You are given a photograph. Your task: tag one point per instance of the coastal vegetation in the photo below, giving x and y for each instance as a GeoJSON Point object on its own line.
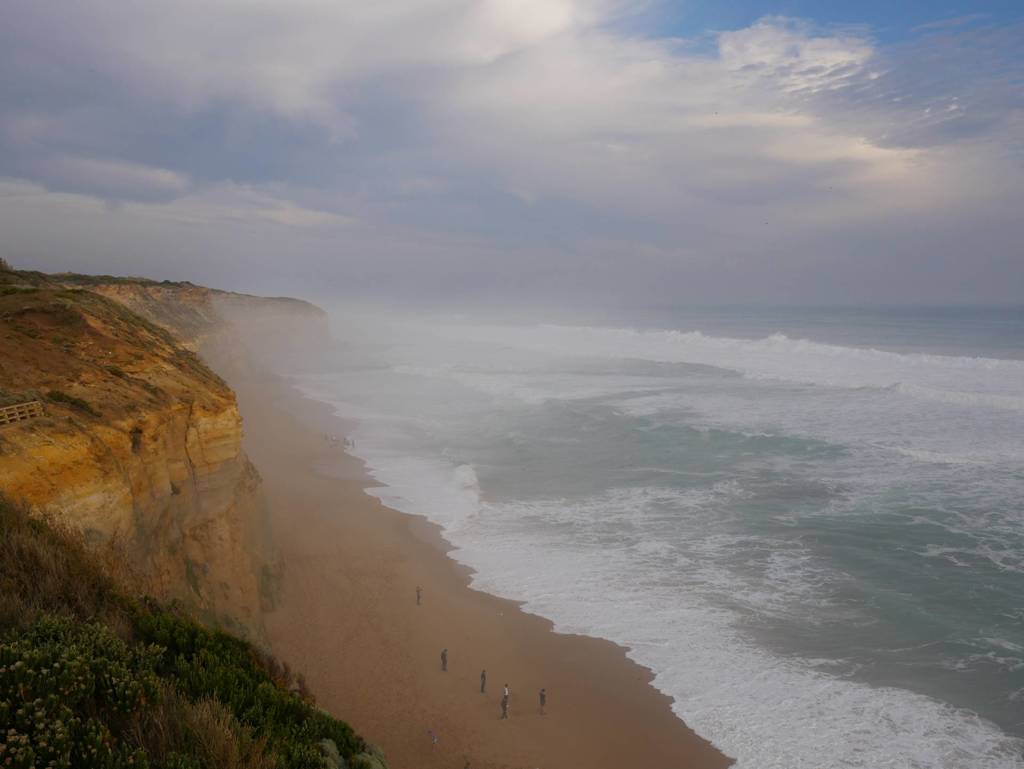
{"type": "Point", "coordinates": [87, 353]}
{"type": "Point", "coordinates": [91, 676]}
{"type": "Point", "coordinates": [37, 278]}
{"type": "Point", "coordinates": [57, 396]}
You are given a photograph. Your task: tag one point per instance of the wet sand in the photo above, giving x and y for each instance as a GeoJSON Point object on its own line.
{"type": "Point", "coordinates": [347, 619]}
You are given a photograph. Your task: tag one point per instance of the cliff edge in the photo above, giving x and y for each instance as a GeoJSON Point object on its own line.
{"type": "Point", "coordinates": [139, 440]}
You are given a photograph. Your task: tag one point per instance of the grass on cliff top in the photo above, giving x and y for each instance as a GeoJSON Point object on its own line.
{"type": "Point", "coordinates": [11, 278]}
{"type": "Point", "coordinates": [9, 275]}
{"type": "Point", "coordinates": [91, 340]}
{"type": "Point", "coordinates": [93, 678]}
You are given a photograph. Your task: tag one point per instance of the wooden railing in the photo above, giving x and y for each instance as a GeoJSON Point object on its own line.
{"type": "Point", "coordinates": [19, 412]}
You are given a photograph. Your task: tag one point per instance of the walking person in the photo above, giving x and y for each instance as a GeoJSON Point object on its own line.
{"type": "Point", "coordinates": [483, 681]}
{"type": "Point", "coordinates": [433, 738]}
{"type": "Point", "coordinates": [543, 700]}
{"type": "Point", "coordinates": [444, 660]}
{"type": "Point", "coordinates": [505, 696]}
{"type": "Point", "coordinates": [419, 595]}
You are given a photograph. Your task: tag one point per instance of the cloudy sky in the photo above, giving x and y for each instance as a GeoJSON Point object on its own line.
{"type": "Point", "coordinates": [536, 151]}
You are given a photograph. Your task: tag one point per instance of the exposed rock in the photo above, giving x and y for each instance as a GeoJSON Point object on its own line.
{"type": "Point", "coordinates": [141, 441]}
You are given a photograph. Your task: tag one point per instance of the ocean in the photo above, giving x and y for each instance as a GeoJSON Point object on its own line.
{"type": "Point", "coordinates": [809, 523]}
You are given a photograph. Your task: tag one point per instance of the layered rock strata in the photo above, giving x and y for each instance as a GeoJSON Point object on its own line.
{"type": "Point", "coordinates": [141, 441]}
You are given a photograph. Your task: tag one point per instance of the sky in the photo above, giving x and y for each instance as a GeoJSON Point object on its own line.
{"type": "Point", "coordinates": [524, 152]}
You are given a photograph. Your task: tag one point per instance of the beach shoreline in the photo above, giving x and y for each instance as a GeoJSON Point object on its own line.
{"type": "Point", "coordinates": [347, 619]}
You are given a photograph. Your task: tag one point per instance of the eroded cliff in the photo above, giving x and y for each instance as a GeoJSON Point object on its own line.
{"type": "Point", "coordinates": [141, 441]}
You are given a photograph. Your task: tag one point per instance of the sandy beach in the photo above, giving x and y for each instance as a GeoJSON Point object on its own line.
{"type": "Point", "coordinates": [348, 620]}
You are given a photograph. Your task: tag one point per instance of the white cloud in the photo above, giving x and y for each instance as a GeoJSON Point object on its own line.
{"type": "Point", "coordinates": [293, 58]}
{"type": "Point", "coordinates": [793, 56]}
{"type": "Point", "coordinates": [115, 178]}
{"type": "Point", "coordinates": [225, 204]}
{"type": "Point", "coordinates": [635, 126]}
{"type": "Point", "coordinates": [416, 117]}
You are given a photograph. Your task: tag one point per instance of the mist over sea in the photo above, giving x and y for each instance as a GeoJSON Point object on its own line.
{"type": "Point", "coordinates": [809, 523]}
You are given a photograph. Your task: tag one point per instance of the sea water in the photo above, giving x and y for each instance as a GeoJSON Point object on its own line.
{"type": "Point", "coordinates": [808, 523]}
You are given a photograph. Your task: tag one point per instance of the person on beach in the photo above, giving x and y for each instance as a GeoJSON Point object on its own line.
{"type": "Point", "coordinates": [483, 681]}
{"type": "Point", "coordinates": [543, 700]}
{"type": "Point", "coordinates": [504, 706]}
{"type": "Point", "coordinates": [444, 660]}
{"type": "Point", "coordinates": [433, 738]}
{"type": "Point", "coordinates": [419, 595]}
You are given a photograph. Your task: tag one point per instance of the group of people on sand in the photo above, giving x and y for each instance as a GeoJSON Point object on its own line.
{"type": "Point", "coordinates": [506, 694]}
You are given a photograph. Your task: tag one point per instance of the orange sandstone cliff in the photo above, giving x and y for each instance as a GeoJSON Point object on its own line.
{"type": "Point", "coordinates": [140, 440]}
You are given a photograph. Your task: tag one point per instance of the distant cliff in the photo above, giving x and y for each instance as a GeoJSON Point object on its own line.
{"type": "Point", "coordinates": [141, 440]}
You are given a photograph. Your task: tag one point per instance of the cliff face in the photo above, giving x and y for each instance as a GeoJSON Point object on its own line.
{"type": "Point", "coordinates": [141, 441]}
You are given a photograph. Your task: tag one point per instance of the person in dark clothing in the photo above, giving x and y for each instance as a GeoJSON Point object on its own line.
{"type": "Point", "coordinates": [483, 681]}
{"type": "Point", "coordinates": [504, 706]}
{"type": "Point", "coordinates": [419, 594]}
{"type": "Point", "coordinates": [444, 660]}
{"type": "Point", "coordinates": [543, 700]}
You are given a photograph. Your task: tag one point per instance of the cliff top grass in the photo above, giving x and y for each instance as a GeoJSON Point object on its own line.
{"type": "Point", "coordinates": [92, 677]}
{"type": "Point", "coordinates": [35, 278]}
{"type": "Point", "coordinates": [10, 277]}
{"type": "Point", "coordinates": [192, 313]}
{"type": "Point", "coordinates": [88, 355]}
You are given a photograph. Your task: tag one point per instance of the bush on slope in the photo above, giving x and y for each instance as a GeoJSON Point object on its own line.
{"type": "Point", "coordinates": [93, 679]}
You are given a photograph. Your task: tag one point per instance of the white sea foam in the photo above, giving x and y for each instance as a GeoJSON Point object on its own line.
{"type": "Point", "coordinates": [928, 408]}
{"type": "Point", "coordinates": [755, 706]}
{"type": "Point", "coordinates": [534, 387]}
{"type": "Point", "coordinates": [655, 569]}
{"type": "Point", "coordinates": [924, 430]}
{"type": "Point", "coordinates": [991, 382]}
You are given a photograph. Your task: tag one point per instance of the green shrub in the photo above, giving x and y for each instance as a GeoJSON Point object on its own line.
{"type": "Point", "coordinates": [206, 663]}
{"type": "Point", "coordinates": [69, 400]}
{"type": "Point", "coordinates": [93, 679]}
{"type": "Point", "coordinates": [66, 690]}
{"type": "Point", "coordinates": [45, 567]}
